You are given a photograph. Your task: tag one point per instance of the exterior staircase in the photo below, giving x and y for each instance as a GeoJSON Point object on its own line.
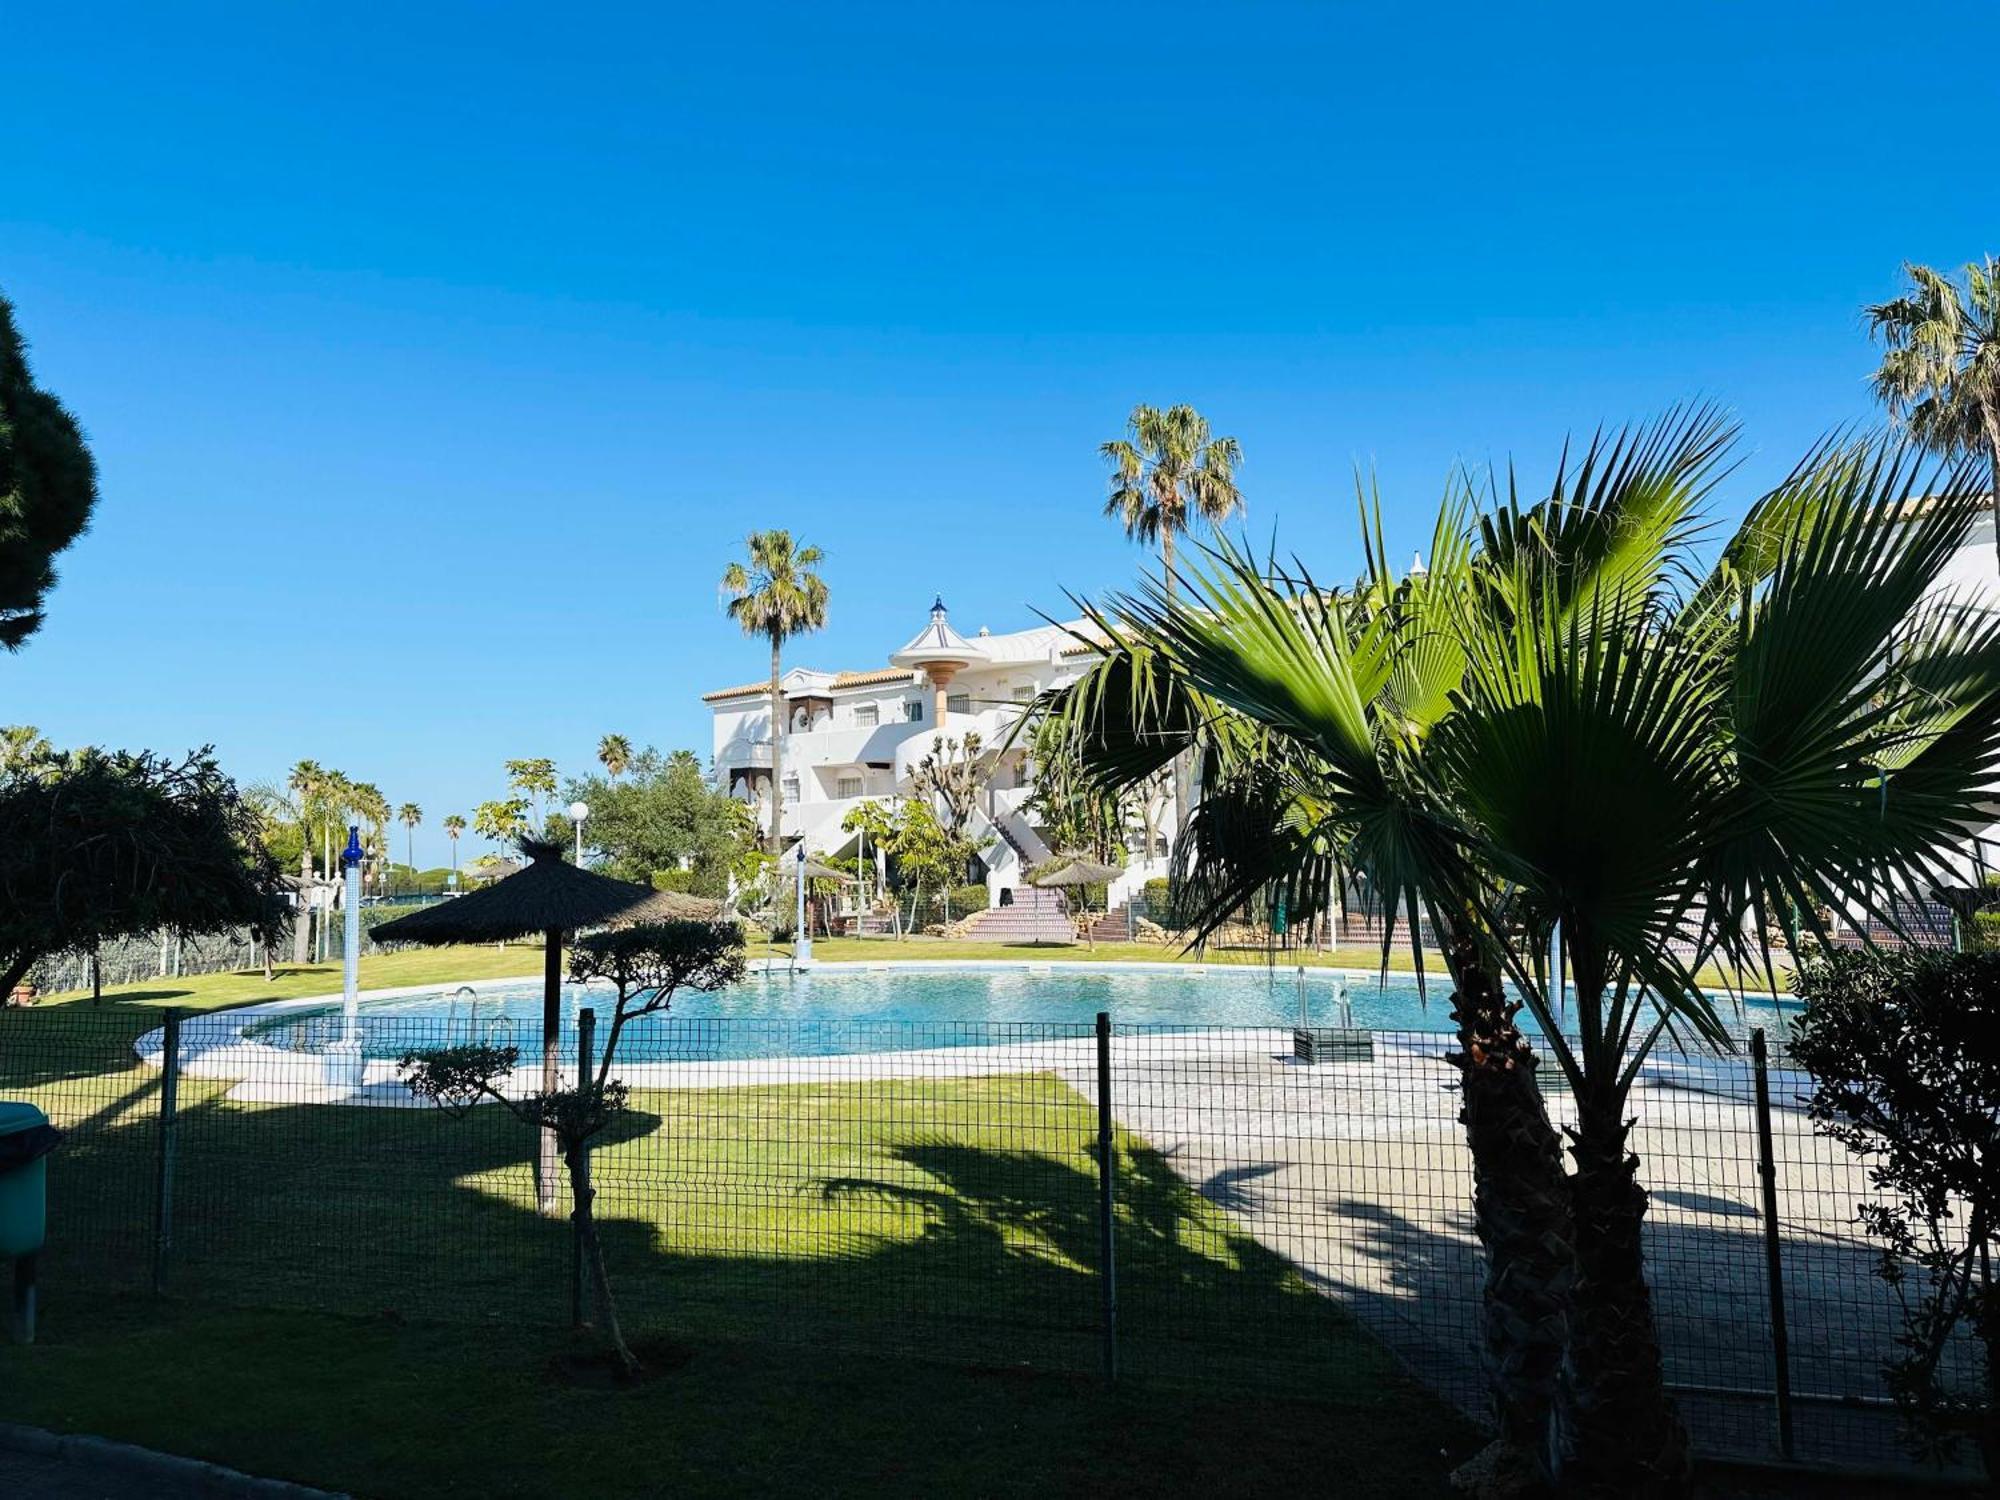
{"type": "Point", "coordinates": [1035, 916]}
{"type": "Point", "coordinates": [1118, 925]}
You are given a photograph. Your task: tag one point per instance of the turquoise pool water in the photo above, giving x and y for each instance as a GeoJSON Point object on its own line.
{"type": "Point", "coordinates": [834, 1011]}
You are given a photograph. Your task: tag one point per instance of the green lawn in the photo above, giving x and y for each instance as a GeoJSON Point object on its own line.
{"type": "Point", "coordinates": [394, 1409]}
{"type": "Point", "coordinates": [794, 1237]}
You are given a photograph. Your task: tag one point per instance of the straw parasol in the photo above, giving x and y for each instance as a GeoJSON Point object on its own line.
{"type": "Point", "coordinates": [551, 897]}
{"type": "Point", "coordinates": [1073, 870]}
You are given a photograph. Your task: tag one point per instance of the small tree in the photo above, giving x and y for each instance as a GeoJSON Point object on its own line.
{"type": "Point", "coordinates": [647, 965]}
{"type": "Point", "coordinates": [952, 775]}
{"type": "Point", "coordinates": [1904, 1050]}
{"type": "Point", "coordinates": [95, 846]}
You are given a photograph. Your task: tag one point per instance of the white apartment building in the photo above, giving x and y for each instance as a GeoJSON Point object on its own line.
{"type": "Point", "coordinates": [854, 736]}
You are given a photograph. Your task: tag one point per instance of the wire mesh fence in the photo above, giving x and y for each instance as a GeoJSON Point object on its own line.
{"type": "Point", "coordinates": [939, 1189]}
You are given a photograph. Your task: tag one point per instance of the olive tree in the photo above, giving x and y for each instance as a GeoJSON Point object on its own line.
{"type": "Point", "coordinates": [646, 965]}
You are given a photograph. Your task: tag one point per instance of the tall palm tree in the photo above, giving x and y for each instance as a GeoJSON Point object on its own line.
{"type": "Point", "coordinates": [776, 595]}
{"type": "Point", "coordinates": [454, 825]}
{"type": "Point", "coordinates": [1940, 370]}
{"type": "Point", "coordinates": [368, 804]}
{"type": "Point", "coordinates": [1623, 766]}
{"type": "Point", "coordinates": [308, 783]}
{"type": "Point", "coordinates": [614, 752]}
{"type": "Point", "coordinates": [1167, 476]}
{"type": "Point", "coordinates": [410, 815]}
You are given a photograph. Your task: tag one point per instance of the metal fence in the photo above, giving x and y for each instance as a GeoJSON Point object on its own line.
{"type": "Point", "coordinates": [941, 1189]}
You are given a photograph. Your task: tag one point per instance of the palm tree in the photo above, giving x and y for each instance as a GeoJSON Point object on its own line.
{"type": "Point", "coordinates": [1940, 370]}
{"type": "Point", "coordinates": [614, 751]}
{"type": "Point", "coordinates": [1588, 756]}
{"type": "Point", "coordinates": [308, 784]}
{"type": "Point", "coordinates": [454, 825]}
{"type": "Point", "coordinates": [777, 595]}
{"type": "Point", "coordinates": [410, 815]}
{"type": "Point", "coordinates": [1168, 475]}
{"type": "Point", "coordinates": [373, 808]}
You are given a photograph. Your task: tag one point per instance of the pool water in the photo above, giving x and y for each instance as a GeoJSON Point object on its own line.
{"type": "Point", "coordinates": [834, 1011]}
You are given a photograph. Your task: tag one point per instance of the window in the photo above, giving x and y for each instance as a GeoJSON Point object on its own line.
{"type": "Point", "coordinates": [791, 788]}
{"type": "Point", "coordinates": [867, 715]}
{"type": "Point", "coordinates": [847, 786]}
{"type": "Point", "coordinates": [913, 710]}
{"type": "Point", "coordinates": [959, 703]}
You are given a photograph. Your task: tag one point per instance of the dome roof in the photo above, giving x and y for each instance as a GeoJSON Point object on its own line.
{"type": "Point", "coordinates": [938, 644]}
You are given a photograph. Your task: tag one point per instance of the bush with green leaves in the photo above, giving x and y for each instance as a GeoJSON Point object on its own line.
{"type": "Point", "coordinates": [646, 965]}
{"type": "Point", "coordinates": [1904, 1049]}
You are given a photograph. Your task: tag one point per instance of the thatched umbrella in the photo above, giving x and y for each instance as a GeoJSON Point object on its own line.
{"type": "Point", "coordinates": [1073, 870]}
{"type": "Point", "coordinates": [552, 897]}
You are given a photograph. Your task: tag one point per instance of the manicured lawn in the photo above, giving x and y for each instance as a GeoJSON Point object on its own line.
{"type": "Point", "coordinates": [398, 1409]}
{"type": "Point", "coordinates": [841, 1259]}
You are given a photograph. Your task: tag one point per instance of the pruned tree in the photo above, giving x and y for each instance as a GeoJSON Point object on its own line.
{"type": "Point", "coordinates": [646, 965]}
{"type": "Point", "coordinates": [952, 774]}
{"type": "Point", "coordinates": [101, 846]}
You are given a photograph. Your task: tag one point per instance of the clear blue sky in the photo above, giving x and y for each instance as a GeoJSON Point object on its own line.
{"type": "Point", "coordinates": [438, 357]}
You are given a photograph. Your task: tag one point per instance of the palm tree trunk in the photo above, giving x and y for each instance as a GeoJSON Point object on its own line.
{"type": "Point", "coordinates": [1521, 1214]}
{"type": "Point", "coordinates": [777, 756]}
{"type": "Point", "coordinates": [1619, 1433]}
{"type": "Point", "coordinates": [1993, 473]}
{"type": "Point", "coordinates": [302, 917]}
{"type": "Point", "coordinates": [1180, 766]}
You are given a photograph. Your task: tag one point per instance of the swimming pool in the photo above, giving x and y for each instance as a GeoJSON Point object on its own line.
{"type": "Point", "coordinates": [839, 1009]}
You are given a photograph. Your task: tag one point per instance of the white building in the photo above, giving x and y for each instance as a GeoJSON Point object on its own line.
{"type": "Point", "coordinates": [850, 737]}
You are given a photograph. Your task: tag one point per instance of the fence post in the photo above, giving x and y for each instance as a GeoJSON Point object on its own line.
{"type": "Point", "coordinates": [586, 1046]}
{"type": "Point", "coordinates": [1774, 1266]}
{"type": "Point", "coordinates": [163, 1165]}
{"type": "Point", "coordinates": [1107, 1167]}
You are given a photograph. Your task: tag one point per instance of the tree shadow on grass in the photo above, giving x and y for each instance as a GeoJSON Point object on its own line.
{"type": "Point", "coordinates": [845, 1216]}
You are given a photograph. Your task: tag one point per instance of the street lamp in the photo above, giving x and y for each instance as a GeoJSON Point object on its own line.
{"type": "Point", "coordinates": [578, 811]}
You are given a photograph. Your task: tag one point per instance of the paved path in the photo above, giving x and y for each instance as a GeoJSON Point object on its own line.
{"type": "Point", "coordinates": [36, 1477]}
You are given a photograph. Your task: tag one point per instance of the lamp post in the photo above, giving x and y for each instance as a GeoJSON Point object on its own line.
{"type": "Point", "coordinates": [802, 943]}
{"type": "Point", "coordinates": [578, 811]}
{"type": "Point", "coordinates": [343, 1058]}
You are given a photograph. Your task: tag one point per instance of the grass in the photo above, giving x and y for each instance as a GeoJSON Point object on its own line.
{"type": "Point", "coordinates": [397, 1409]}
{"type": "Point", "coordinates": [863, 1273]}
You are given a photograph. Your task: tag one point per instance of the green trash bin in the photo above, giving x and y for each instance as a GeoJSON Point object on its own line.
{"type": "Point", "coordinates": [25, 1142]}
{"type": "Point", "coordinates": [26, 1139]}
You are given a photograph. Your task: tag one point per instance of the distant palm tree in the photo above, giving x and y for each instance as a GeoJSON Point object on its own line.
{"type": "Point", "coordinates": [308, 784]}
{"type": "Point", "coordinates": [410, 815]}
{"type": "Point", "coordinates": [776, 596]}
{"type": "Point", "coordinates": [454, 825]}
{"type": "Point", "coordinates": [373, 808]}
{"type": "Point", "coordinates": [1940, 372]}
{"type": "Point", "coordinates": [1166, 476]}
{"type": "Point", "coordinates": [1170, 474]}
{"type": "Point", "coordinates": [615, 751]}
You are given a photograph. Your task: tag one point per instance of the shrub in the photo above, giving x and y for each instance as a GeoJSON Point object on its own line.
{"type": "Point", "coordinates": [966, 899]}
{"type": "Point", "coordinates": [1904, 1050]}
{"type": "Point", "coordinates": [679, 881]}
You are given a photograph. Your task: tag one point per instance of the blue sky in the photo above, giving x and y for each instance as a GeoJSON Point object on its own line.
{"type": "Point", "coordinates": [437, 358]}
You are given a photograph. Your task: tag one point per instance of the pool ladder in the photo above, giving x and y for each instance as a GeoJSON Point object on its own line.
{"type": "Point", "coordinates": [498, 1030]}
